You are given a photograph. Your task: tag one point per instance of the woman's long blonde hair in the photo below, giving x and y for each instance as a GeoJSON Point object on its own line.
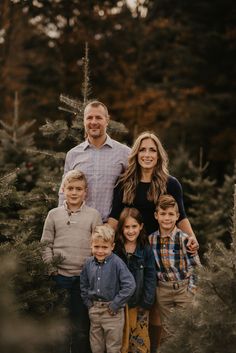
{"type": "Point", "coordinates": [131, 177]}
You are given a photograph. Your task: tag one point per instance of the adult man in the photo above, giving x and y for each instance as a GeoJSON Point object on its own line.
{"type": "Point", "coordinates": [99, 157]}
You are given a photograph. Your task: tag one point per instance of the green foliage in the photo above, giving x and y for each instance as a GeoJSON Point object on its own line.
{"type": "Point", "coordinates": [162, 65]}
{"type": "Point", "coordinates": [21, 333]}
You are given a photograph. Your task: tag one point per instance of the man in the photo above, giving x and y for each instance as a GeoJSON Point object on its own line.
{"type": "Point", "coordinates": [99, 157]}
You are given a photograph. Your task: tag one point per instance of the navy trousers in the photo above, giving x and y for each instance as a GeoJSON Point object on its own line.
{"type": "Point", "coordinates": [78, 339]}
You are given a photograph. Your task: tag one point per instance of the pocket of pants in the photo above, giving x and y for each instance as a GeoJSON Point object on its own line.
{"type": "Point", "coordinates": [91, 310]}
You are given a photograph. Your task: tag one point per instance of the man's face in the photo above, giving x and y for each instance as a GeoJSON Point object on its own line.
{"type": "Point", "coordinates": [95, 122]}
{"type": "Point", "coordinates": [101, 249]}
{"type": "Point", "coordinates": [75, 193]}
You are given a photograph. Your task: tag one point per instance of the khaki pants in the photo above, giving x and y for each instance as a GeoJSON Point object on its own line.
{"type": "Point", "coordinates": [106, 331]}
{"type": "Point", "coordinates": [171, 295]}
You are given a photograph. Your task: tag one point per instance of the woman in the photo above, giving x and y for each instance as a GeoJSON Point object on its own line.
{"type": "Point", "coordinates": [145, 179]}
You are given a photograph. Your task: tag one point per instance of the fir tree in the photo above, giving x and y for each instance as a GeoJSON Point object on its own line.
{"type": "Point", "coordinates": [203, 208]}
{"type": "Point", "coordinates": [15, 138]}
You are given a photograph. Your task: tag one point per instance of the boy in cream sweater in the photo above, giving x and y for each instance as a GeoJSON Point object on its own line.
{"type": "Point", "coordinates": [67, 232]}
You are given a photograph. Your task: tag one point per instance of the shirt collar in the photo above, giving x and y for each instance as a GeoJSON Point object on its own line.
{"type": "Point", "coordinates": [104, 261]}
{"type": "Point", "coordinates": [137, 252]}
{"type": "Point", "coordinates": [171, 235]}
{"type": "Point", "coordinates": [108, 142]}
{"type": "Point", "coordinates": [69, 211]}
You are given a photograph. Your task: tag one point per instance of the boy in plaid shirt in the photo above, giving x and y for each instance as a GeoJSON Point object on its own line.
{"type": "Point", "coordinates": [176, 281]}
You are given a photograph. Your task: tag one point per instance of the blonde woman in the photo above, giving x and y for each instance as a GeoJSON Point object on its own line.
{"type": "Point", "coordinates": [145, 179]}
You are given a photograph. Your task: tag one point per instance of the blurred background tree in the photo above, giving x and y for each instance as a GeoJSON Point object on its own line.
{"type": "Point", "coordinates": [167, 65]}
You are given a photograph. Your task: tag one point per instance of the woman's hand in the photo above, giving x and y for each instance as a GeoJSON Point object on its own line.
{"type": "Point", "coordinates": [192, 245]}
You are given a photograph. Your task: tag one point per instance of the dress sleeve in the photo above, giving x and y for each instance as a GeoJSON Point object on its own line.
{"type": "Point", "coordinates": [117, 204]}
{"type": "Point", "coordinates": [174, 188]}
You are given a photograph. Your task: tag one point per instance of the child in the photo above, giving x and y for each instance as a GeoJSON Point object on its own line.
{"type": "Point", "coordinates": [133, 248]}
{"type": "Point", "coordinates": [106, 285]}
{"type": "Point", "coordinates": [176, 280]}
{"type": "Point", "coordinates": [67, 232]}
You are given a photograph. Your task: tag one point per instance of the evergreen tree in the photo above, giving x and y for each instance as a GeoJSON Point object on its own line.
{"type": "Point", "coordinates": [204, 207]}
{"type": "Point", "coordinates": [15, 138]}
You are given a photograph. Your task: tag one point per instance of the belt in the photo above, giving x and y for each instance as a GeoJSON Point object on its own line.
{"type": "Point", "coordinates": [174, 284]}
{"type": "Point", "coordinates": [100, 304]}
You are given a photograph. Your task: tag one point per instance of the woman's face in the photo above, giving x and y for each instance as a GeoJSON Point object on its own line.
{"type": "Point", "coordinates": [147, 155]}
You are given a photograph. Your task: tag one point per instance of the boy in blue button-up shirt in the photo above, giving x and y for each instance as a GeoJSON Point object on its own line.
{"type": "Point", "coordinates": [106, 286]}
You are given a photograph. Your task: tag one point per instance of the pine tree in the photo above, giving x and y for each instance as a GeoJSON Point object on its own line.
{"type": "Point", "coordinates": [15, 138]}
{"type": "Point", "coordinates": [210, 325]}
{"type": "Point", "coordinates": [204, 209]}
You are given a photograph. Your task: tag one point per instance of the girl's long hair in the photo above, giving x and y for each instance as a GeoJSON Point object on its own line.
{"type": "Point", "coordinates": [131, 177]}
{"type": "Point", "coordinates": [134, 213]}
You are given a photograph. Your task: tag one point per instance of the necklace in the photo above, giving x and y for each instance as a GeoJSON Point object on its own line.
{"type": "Point", "coordinates": [130, 248]}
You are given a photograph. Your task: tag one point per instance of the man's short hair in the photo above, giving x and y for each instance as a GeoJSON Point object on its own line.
{"type": "Point", "coordinates": [166, 201]}
{"type": "Point", "coordinates": [96, 104]}
{"type": "Point", "coordinates": [74, 175]}
{"type": "Point", "coordinates": [104, 232]}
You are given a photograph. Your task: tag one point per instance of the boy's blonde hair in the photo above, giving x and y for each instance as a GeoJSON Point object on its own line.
{"type": "Point", "coordinates": [166, 201]}
{"type": "Point", "coordinates": [104, 232]}
{"type": "Point", "coordinates": [73, 175]}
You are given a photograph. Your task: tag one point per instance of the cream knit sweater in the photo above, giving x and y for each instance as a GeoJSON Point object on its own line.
{"type": "Point", "coordinates": [68, 234]}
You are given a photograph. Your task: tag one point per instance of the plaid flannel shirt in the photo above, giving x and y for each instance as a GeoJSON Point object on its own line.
{"type": "Point", "coordinates": [173, 262]}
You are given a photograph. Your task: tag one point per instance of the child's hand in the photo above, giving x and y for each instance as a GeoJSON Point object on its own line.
{"type": "Point", "coordinates": [54, 273]}
{"type": "Point", "coordinates": [111, 312]}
